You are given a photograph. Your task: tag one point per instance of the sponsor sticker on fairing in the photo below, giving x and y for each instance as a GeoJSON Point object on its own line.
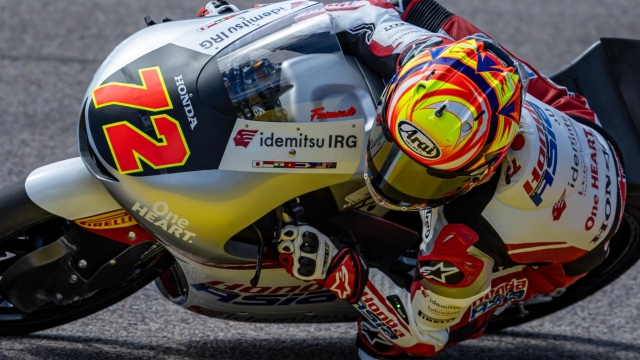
{"type": "Point", "coordinates": [212, 35]}
{"type": "Point", "coordinates": [247, 295]}
{"type": "Point", "coordinates": [111, 220]}
{"type": "Point", "coordinates": [322, 114]}
{"type": "Point", "coordinates": [159, 215]}
{"type": "Point", "coordinates": [258, 146]}
{"type": "Point", "coordinates": [221, 19]}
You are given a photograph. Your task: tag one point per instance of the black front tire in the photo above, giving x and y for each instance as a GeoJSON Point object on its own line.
{"type": "Point", "coordinates": [26, 226]}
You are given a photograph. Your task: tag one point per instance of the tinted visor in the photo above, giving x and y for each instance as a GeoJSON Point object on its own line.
{"type": "Point", "coordinates": [402, 183]}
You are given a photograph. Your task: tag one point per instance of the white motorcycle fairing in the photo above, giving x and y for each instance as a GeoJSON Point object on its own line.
{"type": "Point", "coordinates": [67, 189]}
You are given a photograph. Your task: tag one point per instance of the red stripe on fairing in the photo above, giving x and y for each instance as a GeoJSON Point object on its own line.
{"type": "Point", "coordinates": [343, 8]}
{"type": "Point", "coordinates": [531, 245]}
{"type": "Point", "coordinates": [383, 301]}
{"type": "Point", "coordinates": [558, 255]}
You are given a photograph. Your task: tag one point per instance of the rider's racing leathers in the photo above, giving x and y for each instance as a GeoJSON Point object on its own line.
{"type": "Point", "coordinates": [544, 219]}
{"type": "Point", "coordinates": [537, 226]}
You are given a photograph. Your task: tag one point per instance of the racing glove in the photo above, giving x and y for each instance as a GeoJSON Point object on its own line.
{"type": "Point", "coordinates": [305, 252]}
{"type": "Point", "coordinates": [218, 7]}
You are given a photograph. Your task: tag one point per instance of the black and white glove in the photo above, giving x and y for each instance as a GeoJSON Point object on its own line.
{"type": "Point", "coordinates": [305, 252]}
{"type": "Point", "coordinates": [218, 7]}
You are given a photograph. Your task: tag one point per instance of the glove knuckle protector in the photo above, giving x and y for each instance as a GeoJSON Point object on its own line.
{"type": "Point", "coordinates": [310, 250]}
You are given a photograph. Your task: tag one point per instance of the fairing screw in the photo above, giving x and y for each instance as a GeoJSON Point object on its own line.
{"type": "Point", "coordinates": [82, 264]}
{"type": "Point", "coordinates": [292, 152]}
{"type": "Point", "coordinates": [131, 235]}
{"type": "Point", "coordinates": [73, 279]}
{"type": "Point", "coordinates": [298, 129]}
{"type": "Point", "coordinates": [353, 126]}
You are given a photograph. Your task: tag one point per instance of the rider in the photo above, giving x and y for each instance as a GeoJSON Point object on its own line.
{"type": "Point", "coordinates": [464, 128]}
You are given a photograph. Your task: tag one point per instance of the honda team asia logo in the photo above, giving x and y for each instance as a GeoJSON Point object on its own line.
{"type": "Point", "coordinates": [417, 141]}
{"type": "Point", "coordinates": [544, 173]}
{"type": "Point", "coordinates": [243, 137]}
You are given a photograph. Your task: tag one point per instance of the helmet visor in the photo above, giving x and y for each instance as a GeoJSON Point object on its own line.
{"type": "Point", "coordinates": [399, 182]}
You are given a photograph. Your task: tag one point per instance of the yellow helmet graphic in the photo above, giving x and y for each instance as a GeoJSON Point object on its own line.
{"type": "Point", "coordinates": [447, 120]}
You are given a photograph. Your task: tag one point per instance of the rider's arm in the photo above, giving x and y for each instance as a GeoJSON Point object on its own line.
{"type": "Point", "coordinates": [429, 15]}
{"type": "Point", "coordinates": [374, 32]}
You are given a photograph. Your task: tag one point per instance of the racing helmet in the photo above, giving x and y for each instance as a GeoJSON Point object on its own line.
{"type": "Point", "coordinates": [445, 123]}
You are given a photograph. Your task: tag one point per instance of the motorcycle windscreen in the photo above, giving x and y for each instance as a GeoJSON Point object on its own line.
{"type": "Point", "coordinates": [257, 69]}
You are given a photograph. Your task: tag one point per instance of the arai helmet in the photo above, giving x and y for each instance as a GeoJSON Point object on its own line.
{"type": "Point", "coordinates": [446, 122]}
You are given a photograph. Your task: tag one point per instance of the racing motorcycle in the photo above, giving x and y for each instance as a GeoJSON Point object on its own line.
{"type": "Point", "coordinates": [200, 138]}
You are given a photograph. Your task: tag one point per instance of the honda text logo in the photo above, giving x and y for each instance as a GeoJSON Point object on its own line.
{"type": "Point", "coordinates": [243, 137]}
{"type": "Point", "coordinates": [419, 142]}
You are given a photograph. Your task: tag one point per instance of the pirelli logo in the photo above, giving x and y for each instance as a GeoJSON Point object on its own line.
{"type": "Point", "coordinates": [110, 220]}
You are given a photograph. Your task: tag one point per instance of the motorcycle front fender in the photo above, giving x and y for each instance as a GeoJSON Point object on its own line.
{"type": "Point", "coordinates": [67, 189]}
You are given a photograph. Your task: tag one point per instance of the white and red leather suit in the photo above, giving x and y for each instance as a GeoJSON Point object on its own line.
{"type": "Point", "coordinates": [538, 226]}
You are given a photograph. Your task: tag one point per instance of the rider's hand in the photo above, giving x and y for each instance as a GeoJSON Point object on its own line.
{"type": "Point", "coordinates": [305, 252]}
{"type": "Point", "coordinates": [218, 7]}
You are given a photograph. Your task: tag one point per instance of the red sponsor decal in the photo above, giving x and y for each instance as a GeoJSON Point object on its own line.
{"type": "Point", "coordinates": [591, 141]}
{"type": "Point", "coordinates": [559, 207]}
{"type": "Point", "coordinates": [320, 114]}
{"type": "Point", "coordinates": [243, 137]}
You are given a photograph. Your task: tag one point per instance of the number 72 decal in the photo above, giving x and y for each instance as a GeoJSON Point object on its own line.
{"type": "Point", "coordinates": [130, 145]}
{"type": "Point", "coordinates": [127, 143]}
{"type": "Point", "coordinates": [152, 95]}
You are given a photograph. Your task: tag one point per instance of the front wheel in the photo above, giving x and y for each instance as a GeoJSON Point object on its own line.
{"type": "Point", "coordinates": [27, 228]}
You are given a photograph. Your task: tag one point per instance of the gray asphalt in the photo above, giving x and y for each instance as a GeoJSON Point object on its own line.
{"type": "Point", "coordinates": [48, 54]}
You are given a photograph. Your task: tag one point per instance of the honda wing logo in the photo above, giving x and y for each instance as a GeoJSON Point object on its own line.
{"type": "Point", "coordinates": [559, 207]}
{"type": "Point", "coordinates": [417, 141]}
{"type": "Point", "coordinates": [243, 137]}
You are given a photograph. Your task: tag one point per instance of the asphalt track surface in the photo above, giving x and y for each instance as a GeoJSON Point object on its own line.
{"type": "Point", "coordinates": [48, 54]}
